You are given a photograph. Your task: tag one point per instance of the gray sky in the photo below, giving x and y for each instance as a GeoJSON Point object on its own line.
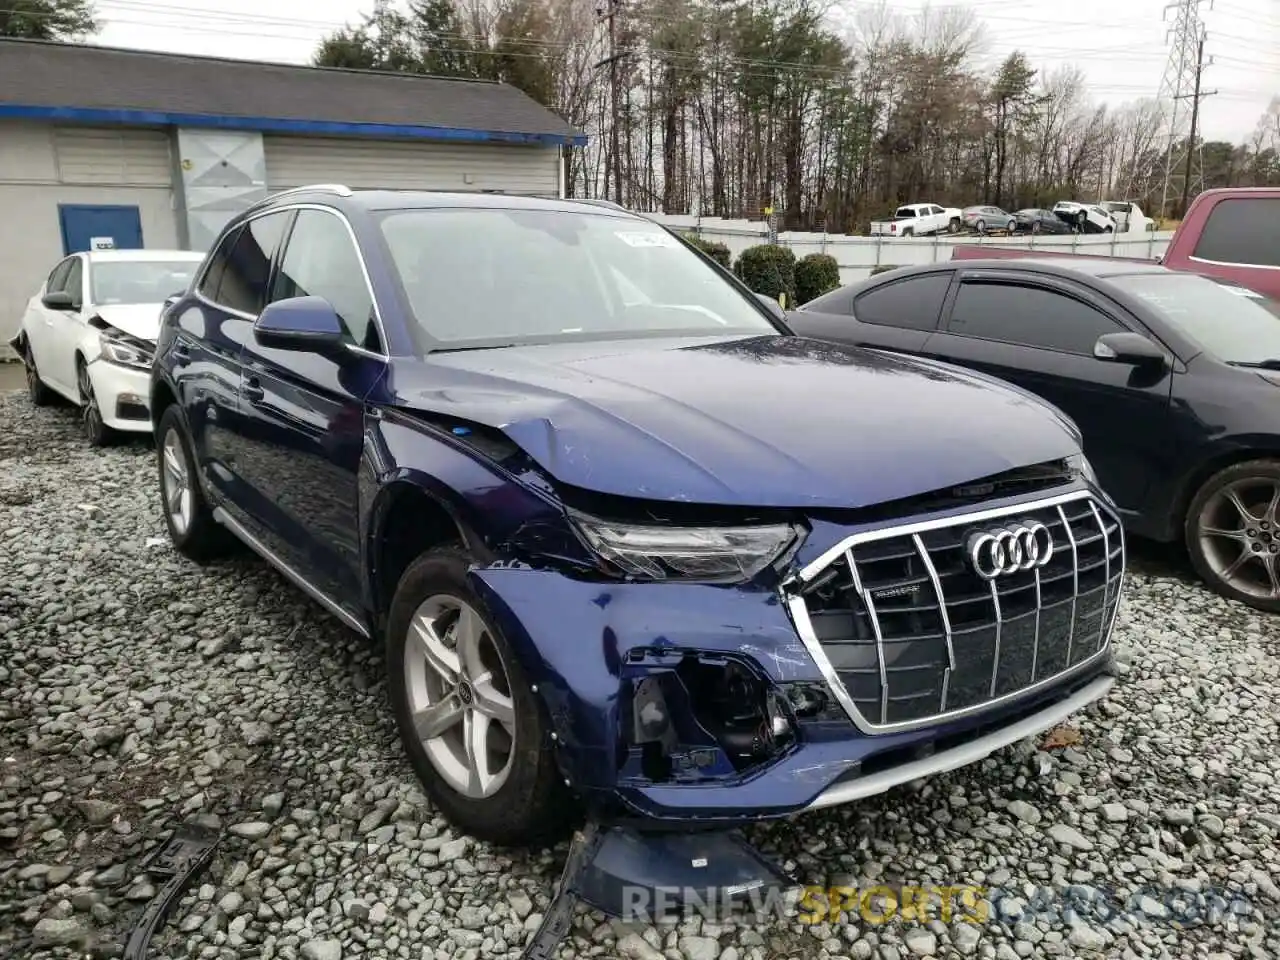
{"type": "Point", "coordinates": [1120, 44]}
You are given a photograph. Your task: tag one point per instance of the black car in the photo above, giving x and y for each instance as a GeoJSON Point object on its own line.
{"type": "Point", "coordinates": [1173, 379]}
{"type": "Point", "coordinates": [1035, 220]}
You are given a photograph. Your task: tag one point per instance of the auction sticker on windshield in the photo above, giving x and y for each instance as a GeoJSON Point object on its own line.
{"type": "Point", "coordinates": [647, 238]}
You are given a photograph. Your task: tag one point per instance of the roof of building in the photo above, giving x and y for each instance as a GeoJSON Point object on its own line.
{"type": "Point", "coordinates": [94, 84]}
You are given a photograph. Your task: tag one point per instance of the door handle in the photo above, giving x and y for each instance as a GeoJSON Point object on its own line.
{"type": "Point", "coordinates": [253, 390]}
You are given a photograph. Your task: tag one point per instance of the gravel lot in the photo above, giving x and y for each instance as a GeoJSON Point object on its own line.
{"type": "Point", "coordinates": [137, 691]}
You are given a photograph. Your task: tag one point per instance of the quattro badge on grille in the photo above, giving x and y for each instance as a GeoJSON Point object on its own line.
{"type": "Point", "coordinates": [1013, 549]}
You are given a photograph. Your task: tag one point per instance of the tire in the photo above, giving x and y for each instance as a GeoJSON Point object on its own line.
{"type": "Point", "coordinates": [1012, 226]}
{"type": "Point", "coordinates": [1082, 220]}
{"type": "Point", "coordinates": [1108, 230]}
{"type": "Point", "coordinates": [908, 232]}
{"type": "Point", "coordinates": [39, 394]}
{"type": "Point", "coordinates": [1035, 226]}
{"type": "Point", "coordinates": [196, 534]}
{"type": "Point", "coordinates": [95, 431]}
{"type": "Point", "coordinates": [981, 226]}
{"type": "Point", "coordinates": [954, 225]}
{"type": "Point", "coordinates": [531, 805]}
{"type": "Point", "coordinates": [1256, 485]}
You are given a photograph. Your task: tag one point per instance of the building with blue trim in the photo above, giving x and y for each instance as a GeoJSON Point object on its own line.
{"type": "Point", "coordinates": [136, 148]}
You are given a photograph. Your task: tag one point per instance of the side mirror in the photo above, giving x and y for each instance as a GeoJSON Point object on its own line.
{"type": "Point", "coordinates": [774, 307]}
{"type": "Point", "coordinates": [58, 300]}
{"type": "Point", "coordinates": [1128, 347]}
{"type": "Point", "coordinates": [306, 324]}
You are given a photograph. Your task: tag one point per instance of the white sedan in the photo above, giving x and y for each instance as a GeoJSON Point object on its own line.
{"type": "Point", "coordinates": [89, 333]}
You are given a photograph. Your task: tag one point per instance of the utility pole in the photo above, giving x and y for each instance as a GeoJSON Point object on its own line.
{"type": "Point", "coordinates": [1192, 149]}
{"type": "Point", "coordinates": [1185, 37]}
{"type": "Point", "coordinates": [610, 14]}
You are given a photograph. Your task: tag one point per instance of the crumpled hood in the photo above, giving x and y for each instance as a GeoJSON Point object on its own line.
{"type": "Point", "coordinates": [140, 320]}
{"type": "Point", "coordinates": [767, 421]}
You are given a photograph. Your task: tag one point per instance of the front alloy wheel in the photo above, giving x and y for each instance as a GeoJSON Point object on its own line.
{"type": "Point", "coordinates": [475, 731]}
{"type": "Point", "coordinates": [460, 697]}
{"type": "Point", "coordinates": [1233, 533]}
{"type": "Point", "coordinates": [96, 432]}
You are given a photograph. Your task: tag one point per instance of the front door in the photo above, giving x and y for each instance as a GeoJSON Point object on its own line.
{"type": "Point", "coordinates": [1040, 336]}
{"type": "Point", "coordinates": [303, 435]}
{"type": "Point", "coordinates": [99, 227]}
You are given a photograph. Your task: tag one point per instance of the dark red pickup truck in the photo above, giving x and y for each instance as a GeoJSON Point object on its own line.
{"type": "Point", "coordinates": [1230, 232]}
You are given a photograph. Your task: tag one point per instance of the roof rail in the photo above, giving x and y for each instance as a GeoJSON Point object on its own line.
{"type": "Point", "coordinates": [334, 188]}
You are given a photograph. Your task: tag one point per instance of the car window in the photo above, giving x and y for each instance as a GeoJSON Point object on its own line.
{"type": "Point", "coordinates": [139, 281]}
{"type": "Point", "coordinates": [838, 302]}
{"type": "Point", "coordinates": [247, 269]}
{"type": "Point", "coordinates": [912, 304]}
{"type": "Point", "coordinates": [212, 276]}
{"type": "Point", "coordinates": [1230, 321]}
{"type": "Point", "coordinates": [58, 276]}
{"type": "Point", "coordinates": [503, 276]}
{"type": "Point", "coordinates": [74, 282]}
{"type": "Point", "coordinates": [1030, 316]}
{"type": "Point", "coordinates": [1242, 231]}
{"type": "Point", "coordinates": [321, 260]}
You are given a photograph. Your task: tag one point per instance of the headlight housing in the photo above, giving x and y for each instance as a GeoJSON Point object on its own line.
{"type": "Point", "coordinates": [707, 554]}
{"type": "Point", "coordinates": [1080, 466]}
{"type": "Point", "coordinates": [119, 348]}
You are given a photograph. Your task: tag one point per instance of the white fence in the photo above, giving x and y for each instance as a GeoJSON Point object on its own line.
{"type": "Point", "coordinates": [858, 256]}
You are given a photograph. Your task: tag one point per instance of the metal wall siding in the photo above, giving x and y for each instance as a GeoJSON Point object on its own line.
{"type": "Point", "coordinates": [121, 157]}
{"type": "Point", "coordinates": [383, 164]}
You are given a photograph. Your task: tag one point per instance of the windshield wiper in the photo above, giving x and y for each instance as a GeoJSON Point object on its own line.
{"type": "Point", "coordinates": [1269, 364]}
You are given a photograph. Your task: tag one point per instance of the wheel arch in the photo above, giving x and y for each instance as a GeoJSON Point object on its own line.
{"type": "Point", "coordinates": [406, 519]}
{"type": "Point", "coordinates": [1242, 451]}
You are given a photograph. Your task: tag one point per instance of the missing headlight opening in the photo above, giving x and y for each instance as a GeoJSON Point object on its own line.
{"type": "Point", "coordinates": [705, 717]}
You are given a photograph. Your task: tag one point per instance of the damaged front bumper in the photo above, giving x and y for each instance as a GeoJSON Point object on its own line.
{"type": "Point", "coordinates": [710, 704]}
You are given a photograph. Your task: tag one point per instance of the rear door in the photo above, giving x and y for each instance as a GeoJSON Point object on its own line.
{"type": "Point", "coordinates": [1038, 333]}
{"type": "Point", "coordinates": [1240, 240]}
{"type": "Point", "coordinates": [206, 351]}
{"type": "Point", "coordinates": [301, 448]}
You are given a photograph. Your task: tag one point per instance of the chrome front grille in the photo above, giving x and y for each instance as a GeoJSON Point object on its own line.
{"type": "Point", "coordinates": [908, 633]}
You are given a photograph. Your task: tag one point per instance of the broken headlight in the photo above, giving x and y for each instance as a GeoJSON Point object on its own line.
{"type": "Point", "coordinates": [725, 554]}
{"type": "Point", "coordinates": [122, 349]}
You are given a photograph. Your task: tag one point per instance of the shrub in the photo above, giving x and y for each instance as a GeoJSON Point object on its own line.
{"type": "Point", "coordinates": [816, 274]}
{"type": "Point", "coordinates": [770, 270]}
{"type": "Point", "coordinates": [716, 251]}
{"type": "Point", "coordinates": [884, 268]}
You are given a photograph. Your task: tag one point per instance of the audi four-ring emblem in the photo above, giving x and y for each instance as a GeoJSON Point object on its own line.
{"type": "Point", "coordinates": [1013, 549]}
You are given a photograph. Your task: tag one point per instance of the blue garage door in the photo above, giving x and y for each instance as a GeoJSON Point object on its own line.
{"type": "Point", "coordinates": [95, 226]}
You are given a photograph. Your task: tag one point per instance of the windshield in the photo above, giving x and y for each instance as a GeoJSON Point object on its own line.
{"type": "Point", "coordinates": [1231, 322]}
{"type": "Point", "coordinates": [489, 277]}
{"type": "Point", "coordinates": [139, 281]}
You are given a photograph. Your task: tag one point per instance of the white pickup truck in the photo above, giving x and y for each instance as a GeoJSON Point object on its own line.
{"type": "Point", "coordinates": [918, 220]}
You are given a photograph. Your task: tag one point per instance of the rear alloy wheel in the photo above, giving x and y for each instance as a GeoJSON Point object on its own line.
{"type": "Point", "coordinates": [1035, 226]}
{"type": "Point", "coordinates": [37, 392]}
{"type": "Point", "coordinates": [469, 720]}
{"type": "Point", "coordinates": [192, 528]}
{"type": "Point", "coordinates": [954, 225]}
{"type": "Point", "coordinates": [96, 432]}
{"type": "Point", "coordinates": [1233, 533]}
{"type": "Point", "coordinates": [981, 226]}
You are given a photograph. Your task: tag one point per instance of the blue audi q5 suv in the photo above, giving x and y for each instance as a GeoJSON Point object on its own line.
{"type": "Point", "coordinates": [631, 546]}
